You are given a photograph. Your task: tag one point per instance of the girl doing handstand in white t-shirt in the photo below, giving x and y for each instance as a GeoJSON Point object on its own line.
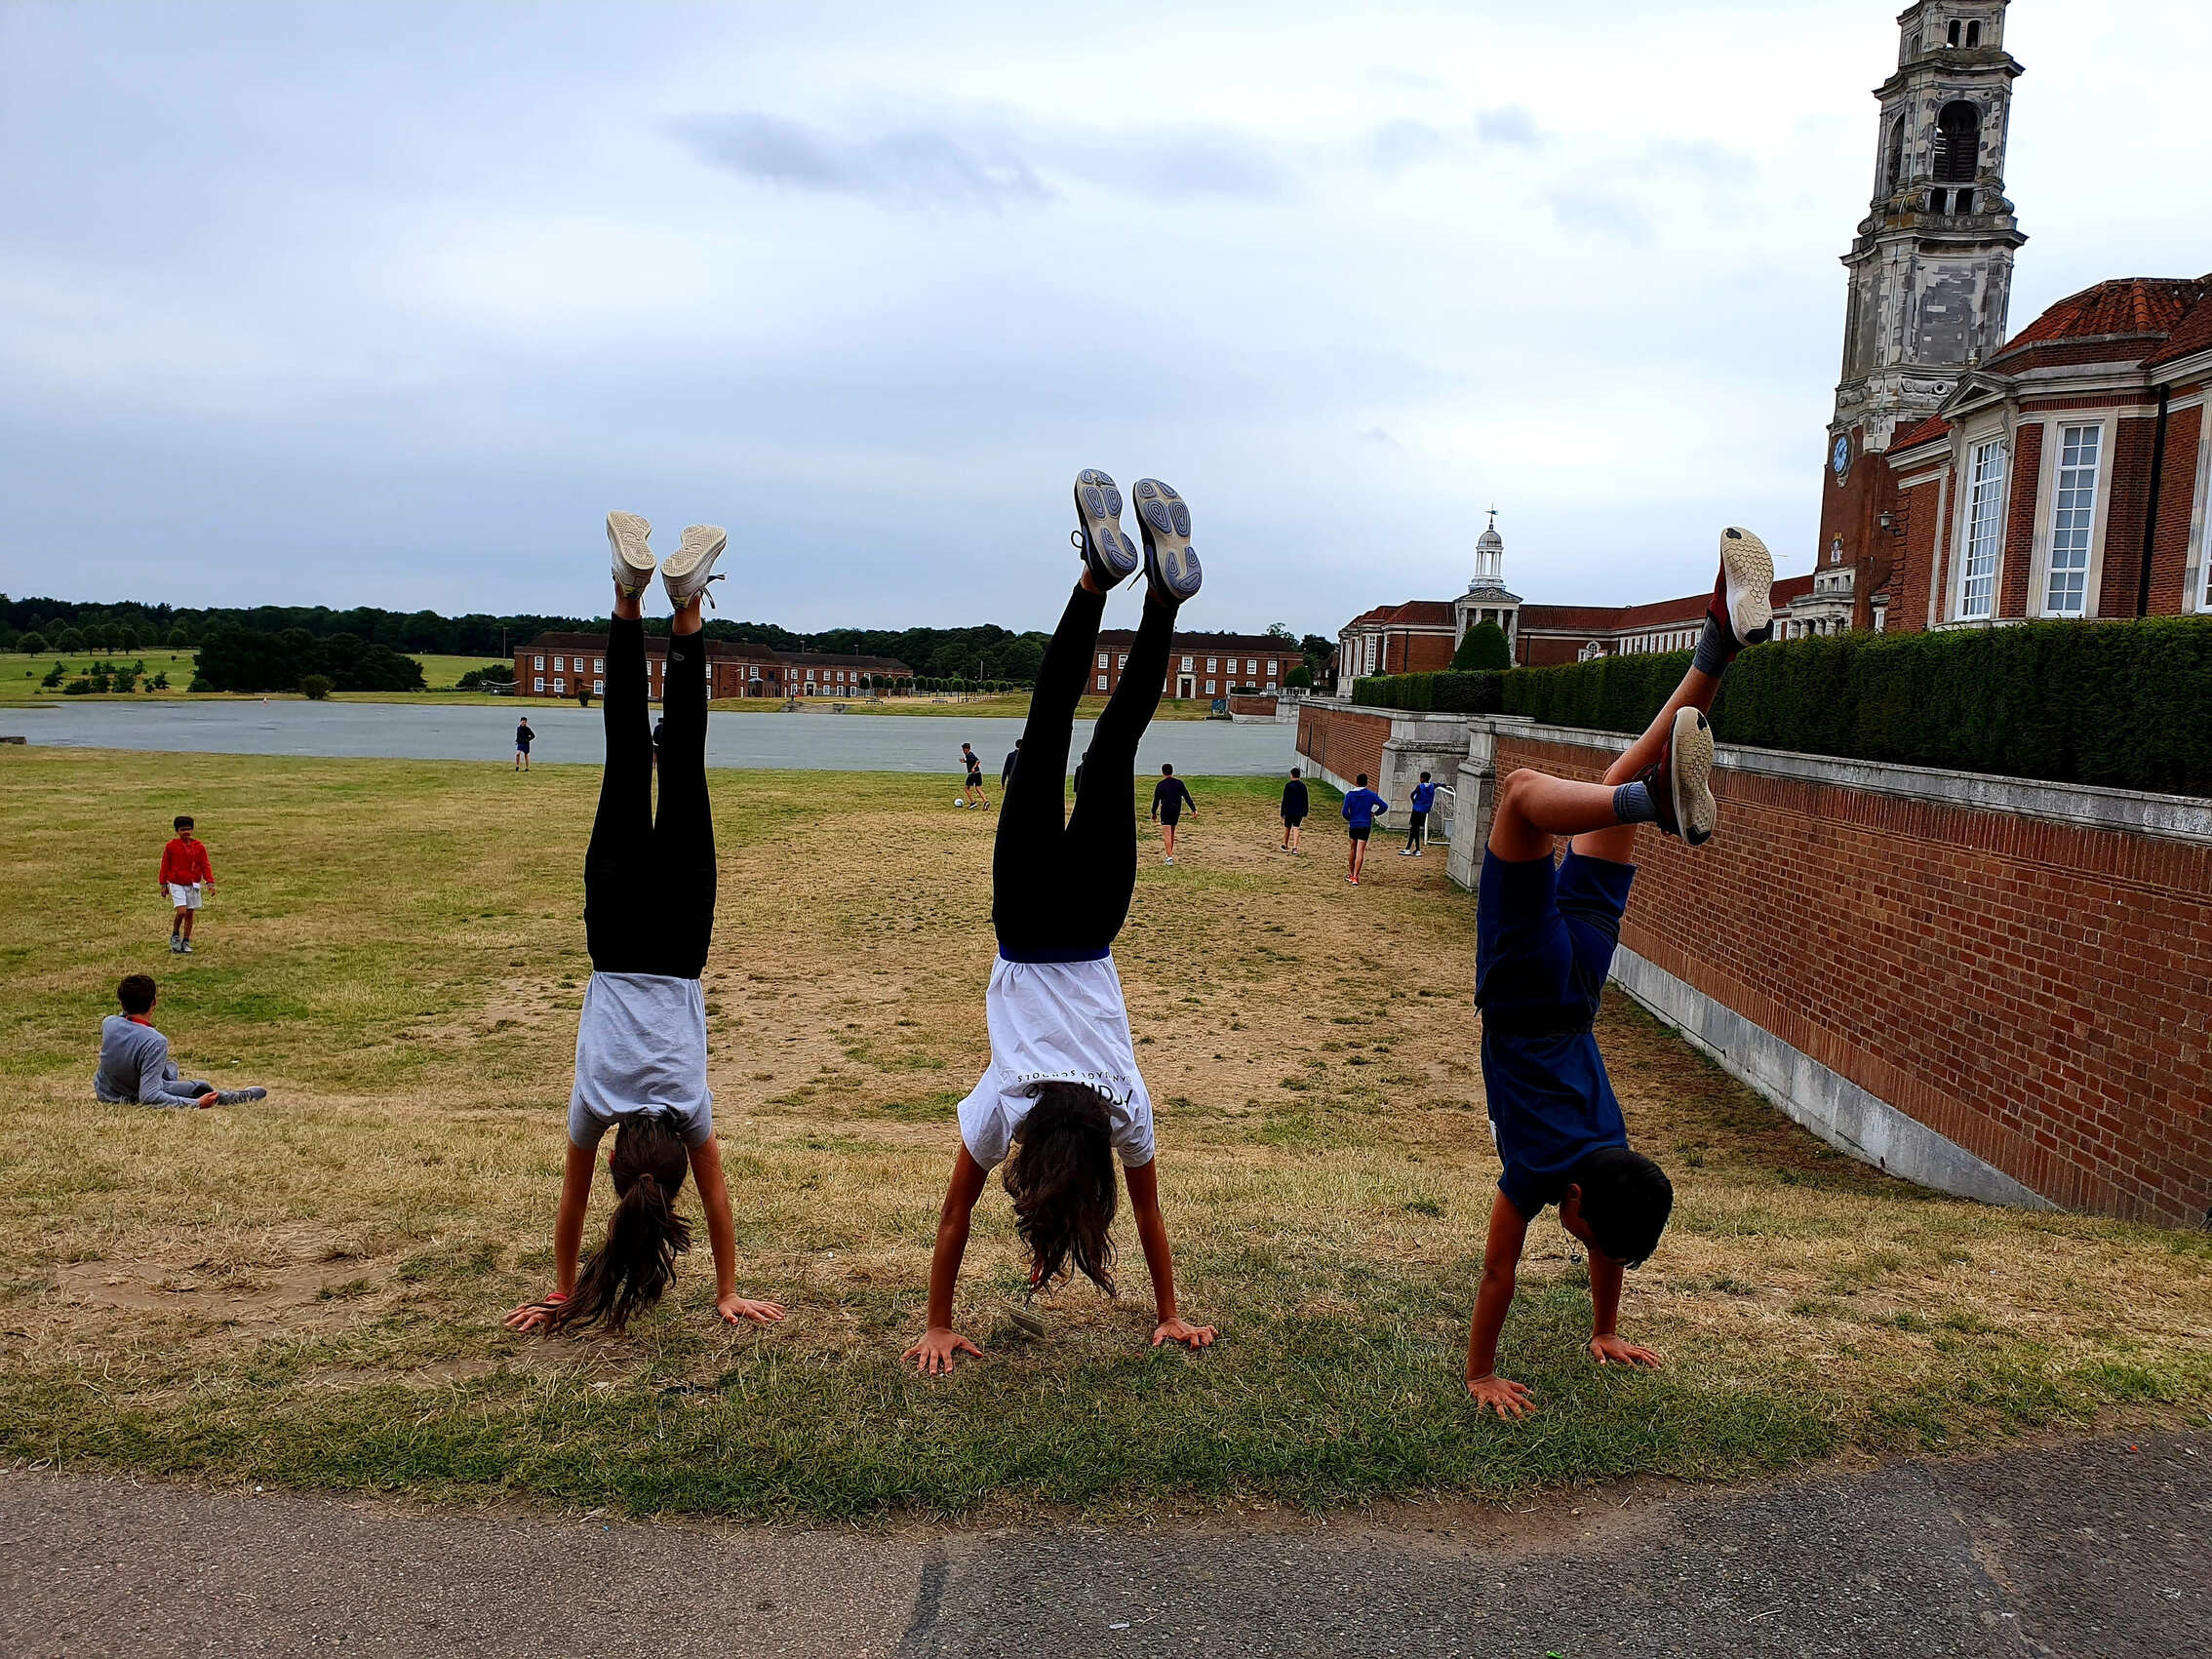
{"type": "Point", "coordinates": [1062, 1094]}
{"type": "Point", "coordinates": [649, 915]}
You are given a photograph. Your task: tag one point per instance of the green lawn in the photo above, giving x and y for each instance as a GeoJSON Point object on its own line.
{"type": "Point", "coordinates": [309, 1291]}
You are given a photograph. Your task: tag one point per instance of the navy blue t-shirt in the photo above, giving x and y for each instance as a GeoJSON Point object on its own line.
{"type": "Point", "coordinates": [1424, 797]}
{"type": "Point", "coordinates": [1544, 939]}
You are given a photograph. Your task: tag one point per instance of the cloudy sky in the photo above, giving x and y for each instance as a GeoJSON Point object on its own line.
{"type": "Point", "coordinates": [388, 303]}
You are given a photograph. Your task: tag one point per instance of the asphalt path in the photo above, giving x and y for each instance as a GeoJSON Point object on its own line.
{"type": "Point", "coordinates": [2089, 1550]}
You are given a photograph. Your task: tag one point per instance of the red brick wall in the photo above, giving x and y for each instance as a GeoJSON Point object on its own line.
{"type": "Point", "coordinates": [1918, 510]}
{"type": "Point", "coordinates": [2019, 556]}
{"type": "Point", "coordinates": [2125, 509]}
{"type": "Point", "coordinates": [2169, 558]}
{"type": "Point", "coordinates": [2039, 993]}
{"type": "Point", "coordinates": [1251, 705]}
{"type": "Point", "coordinates": [1417, 653]}
{"type": "Point", "coordinates": [1347, 744]}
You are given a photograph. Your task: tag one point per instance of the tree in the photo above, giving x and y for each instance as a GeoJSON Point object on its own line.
{"type": "Point", "coordinates": [315, 687]}
{"type": "Point", "coordinates": [1483, 649]}
{"type": "Point", "coordinates": [1300, 678]}
{"type": "Point", "coordinates": [1280, 631]}
{"type": "Point", "coordinates": [68, 641]}
{"type": "Point", "coordinates": [180, 637]}
{"type": "Point", "coordinates": [33, 645]}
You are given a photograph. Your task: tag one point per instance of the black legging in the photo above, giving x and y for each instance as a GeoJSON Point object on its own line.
{"type": "Point", "coordinates": [649, 886]}
{"type": "Point", "coordinates": [1062, 883]}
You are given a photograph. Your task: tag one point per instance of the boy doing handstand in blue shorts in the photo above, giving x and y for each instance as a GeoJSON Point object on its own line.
{"type": "Point", "coordinates": [1544, 942]}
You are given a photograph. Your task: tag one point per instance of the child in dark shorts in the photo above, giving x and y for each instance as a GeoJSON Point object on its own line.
{"type": "Point", "coordinates": [1544, 942]}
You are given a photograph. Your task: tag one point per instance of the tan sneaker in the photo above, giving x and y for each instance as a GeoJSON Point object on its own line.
{"type": "Point", "coordinates": [686, 573]}
{"type": "Point", "coordinates": [627, 534]}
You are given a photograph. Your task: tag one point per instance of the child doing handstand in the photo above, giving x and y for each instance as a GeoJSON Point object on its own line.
{"type": "Point", "coordinates": [1544, 943]}
{"type": "Point", "coordinates": [649, 915]}
{"type": "Point", "coordinates": [1062, 1094]}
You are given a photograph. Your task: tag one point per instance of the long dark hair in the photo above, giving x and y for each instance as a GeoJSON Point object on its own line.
{"type": "Point", "coordinates": [637, 1260]}
{"type": "Point", "coordinates": [1061, 1180]}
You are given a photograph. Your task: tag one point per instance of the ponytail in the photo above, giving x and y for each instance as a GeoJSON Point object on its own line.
{"type": "Point", "coordinates": [636, 1262]}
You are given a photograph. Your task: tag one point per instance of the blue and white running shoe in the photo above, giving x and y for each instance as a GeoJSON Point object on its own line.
{"type": "Point", "coordinates": [1164, 521]}
{"type": "Point", "coordinates": [1108, 554]}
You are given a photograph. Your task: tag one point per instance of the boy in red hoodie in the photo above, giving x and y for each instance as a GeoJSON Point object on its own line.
{"type": "Point", "coordinates": [187, 879]}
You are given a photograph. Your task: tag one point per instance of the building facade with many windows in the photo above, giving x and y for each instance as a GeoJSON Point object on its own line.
{"type": "Point", "coordinates": [568, 666]}
{"type": "Point", "coordinates": [1201, 665]}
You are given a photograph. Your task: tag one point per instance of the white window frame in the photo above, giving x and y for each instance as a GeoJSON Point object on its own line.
{"type": "Point", "coordinates": [1101, 682]}
{"type": "Point", "coordinates": [1214, 665]}
{"type": "Point", "coordinates": [2049, 508]}
{"type": "Point", "coordinates": [1186, 665]}
{"type": "Point", "coordinates": [538, 684]}
{"type": "Point", "coordinates": [1274, 665]}
{"type": "Point", "coordinates": [560, 665]}
{"type": "Point", "coordinates": [599, 665]}
{"type": "Point", "coordinates": [560, 686]}
{"type": "Point", "coordinates": [1971, 501]}
{"type": "Point", "coordinates": [1209, 687]}
{"type": "Point", "coordinates": [1101, 659]}
{"type": "Point", "coordinates": [538, 665]}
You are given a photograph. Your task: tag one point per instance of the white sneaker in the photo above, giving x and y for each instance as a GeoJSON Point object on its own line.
{"type": "Point", "coordinates": [627, 534]}
{"type": "Point", "coordinates": [686, 573]}
{"type": "Point", "coordinates": [1747, 582]}
{"type": "Point", "coordinates": [1169, 860]}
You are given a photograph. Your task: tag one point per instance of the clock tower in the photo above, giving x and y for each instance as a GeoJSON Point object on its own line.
{"type": "Point", "coordinates": [1930, 269]}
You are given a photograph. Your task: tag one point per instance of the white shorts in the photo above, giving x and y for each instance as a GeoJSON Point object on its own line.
{"type": "Point", "coordinates": [185, 896]}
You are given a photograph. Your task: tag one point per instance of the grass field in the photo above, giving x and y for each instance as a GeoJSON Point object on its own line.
{"type": "Point", "coordinates": [21, 677]}
{"type": "Point", "coordinates": [309, 1290]}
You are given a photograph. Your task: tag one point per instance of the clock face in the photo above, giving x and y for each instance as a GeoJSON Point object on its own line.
{"type": "Point", "coordinates": [1842, 460]}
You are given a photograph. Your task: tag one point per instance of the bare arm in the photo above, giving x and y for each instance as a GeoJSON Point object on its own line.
{"type": "Point", "coordinates": [567, 1235]}
{"type": "Point", "coordinates": [1501, 1265]}
{"type": "Point", "coordinates": [1152, 1232]}
{"type": "Point", "coordinates": [722, 1237]}
{"type": "Point", "coordinates": [939, 1341]}
{"type": "Point", "coordinates": [1605, 1344]}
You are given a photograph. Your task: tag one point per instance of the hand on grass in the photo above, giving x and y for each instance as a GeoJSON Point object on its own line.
{"type": "Point", "coordinates": [529, 1317]}
{"type": "Point", "coordinates": [735, 1308]}
{"type": "Point", "coordinates": [1175, 1330]}
{"type": "Point", "coordinates": [1610, 1350]}
{"type": "Point", "coordinates": [933, 1354]}
{"type": "Point", "coordinates": [1506, 1399]}
{"type": "Point", "coordinates": [207, 1099]}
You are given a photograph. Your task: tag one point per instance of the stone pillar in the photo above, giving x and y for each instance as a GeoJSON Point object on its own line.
{"type": "Point", "coordinates": [1476, 791]}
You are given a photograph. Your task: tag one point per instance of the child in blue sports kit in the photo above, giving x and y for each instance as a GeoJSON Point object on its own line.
{"type": "Point", "coordinates": [1360, 808]}
{"type": "Point", "coordinates": [1417, 818]}
{"type": "Point", "coordinates": [1545, 937]}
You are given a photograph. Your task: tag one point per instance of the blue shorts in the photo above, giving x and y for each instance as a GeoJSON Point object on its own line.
{"type": "Point", "coordinates": [1544, 940]}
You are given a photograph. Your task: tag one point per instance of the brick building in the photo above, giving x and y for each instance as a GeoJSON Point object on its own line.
{"type": "Point", "coordinates": [560, 665]}
{"type": "Point", "coordinates": [2069, 476]}
{"type": "Point", "coordinates": [1968, 480]}
{"type": "Point", "coordinates": [1201, 665]}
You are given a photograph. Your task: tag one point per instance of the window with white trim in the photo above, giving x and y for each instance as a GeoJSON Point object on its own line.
{"type": "Point", "coordinates": [560, 686]}
{"type": "Point", "coordinates": [539, 663]}
{"type": "Point", "coordinates": [599, 687]}
{"type": "Point", "coordinates": [1121, 661]}
{"type": "Point", "coordinates": [560, 665]}
{"type": "Point", "coordinates": [1186, 665]}
{"type": "Point", "coordinates": [1209, 687]}
{"type": "Point", "coordinates": [1985, 530]}
{"type": "Point", "coordinates": [599, 665]}
{"type": "Point", "coordinates": [1101, 659]}
{"type": "Point", "coordinates": [2073, 510]}
{"type": "Point", "coordinates": [538, 684]}
{"type": "Point", "coordinates": [1101, 682]}
{"type": "Point", "coordinates": [1213, 664]}
{"type": "Point", "coordinates": [1274, 664]}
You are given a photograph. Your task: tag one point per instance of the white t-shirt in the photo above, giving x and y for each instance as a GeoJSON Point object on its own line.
{"type": "Point", "coordinates": [1056, 1023]}
{"type": "Point", "coordinates": [641, 1046]}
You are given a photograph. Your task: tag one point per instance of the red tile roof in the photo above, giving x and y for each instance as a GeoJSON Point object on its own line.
{"type": "Point", "coordinates": [2142, 307]}
{"type": "Point", "coordinates": [2192, 334]}
{"type": "Point", "coordinates": [1424, 613]}
{"type": "Point", "coordinates": [1590, 620]}
{"type": "Point", "coordinates": [1927, 431]}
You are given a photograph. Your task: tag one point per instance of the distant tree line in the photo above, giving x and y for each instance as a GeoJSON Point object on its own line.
{"type": "Point", "coordinates": [986, 652]}
{"type": "Point", "coordinates": [241, 659]}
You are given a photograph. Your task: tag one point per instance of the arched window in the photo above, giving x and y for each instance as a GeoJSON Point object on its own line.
{"type": "Point", "coordinates": [1953, 34]}
{"type": "Point", "coordinates": [1973, 36]}
{"type": "Point", "coordinates": [1958, 143]}
{"type": "Point", "coordinates": [1893, 165]}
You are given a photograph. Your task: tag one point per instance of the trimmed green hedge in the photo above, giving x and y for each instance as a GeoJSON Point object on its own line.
{"type": "Point", "coordinates": [1442, 693]}
{"type": "Point", "coordinates": [2126, 705]}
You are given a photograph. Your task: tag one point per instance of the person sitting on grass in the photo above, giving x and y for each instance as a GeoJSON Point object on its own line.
{"type": "Point", "coordinates": [1544, 941]}
{"type": "Point", "coordinates": [186, 878]}
{"type": "Point", "coordinates": [649, 917]}
{"type": "Point", "coordinates": [1361, 810]}
{"type": "Point", "coordinates": [1062, 1093]}
{"type": "Point", "coordinates": [135, 1067]}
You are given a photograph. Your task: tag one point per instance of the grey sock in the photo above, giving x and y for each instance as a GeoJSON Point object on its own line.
{"type": "Point", "coordinates": [1716, 648]}
{"type": "Point", "coordinates": [1633, 804]}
